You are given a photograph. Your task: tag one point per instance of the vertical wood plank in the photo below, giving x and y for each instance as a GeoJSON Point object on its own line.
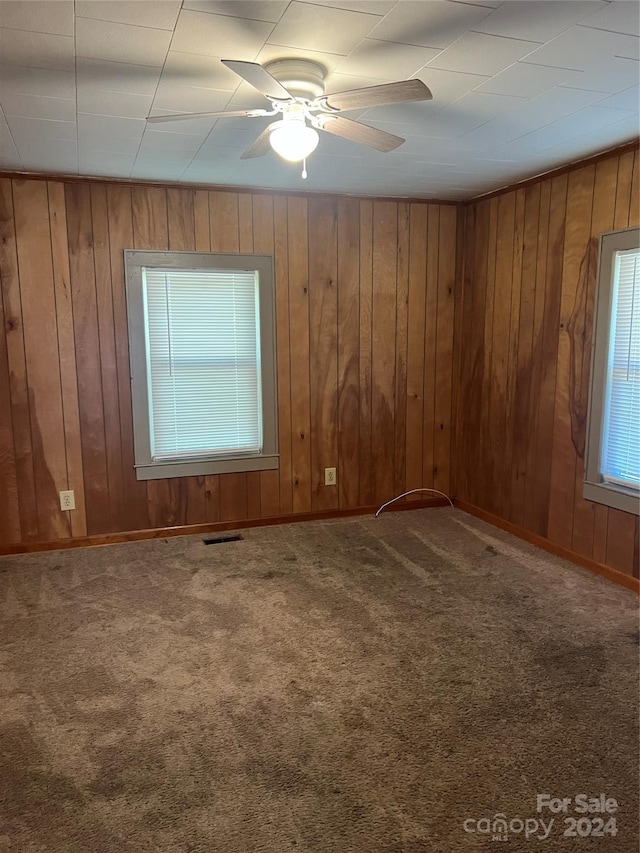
{"type": "Point", "coordinates": [634, 203]}
{"type": "Point", "coordinates": [444, 350]}
{"type": "Point", "coordinates": [67, 355]}
{"type": "Point", "coordinates": [402, 332]}
{"type": "Point", "coordinates": [456, 377]}
{"type": "Point", "coordinates": [323, 347]}
{"type": "Point", "coordinates": [502, 298]}
{"type": "Point", "coordinates": [536, 494]}
{"type": "Point", "coordinates": [384, 272]}
{"type": "Point", "coordinates": [512, 354]}
{"type": "Point", "coordinates": [234, 500]}
{"type": "Point", "coordinates": [430, 346]}
{"type": "Point", "coordinates": [602, 218]}
{"type": "Point", "coordinates": [135, 514]}
{"type": "Point", "coordinates": [621, 542]}
{"type": "Point", "coordinates": [108, 366]}
{"type": "Point", "coordinates": [10, 531]}
{"type": "Point", "coordinates": [281, 263]}
{"type": "Point", "coordinates": [223, 222]}
{"type": "Point", "coordinates": [263, 244]}
{"type": "Point", "coordinates": [522, 413]}
{"type": "Point", "coordinates": [549, 354]}
{"type": "Point", "coordinates": [574, 278]}
{"type": "Point", "coordinates": [298, 254]}
{"type": "Point", "coordinates": [367, 495]}
{"type": "Point", "coordinates": [33, 243]}
{"type": "Point", "coordinates": [17, 366]}
{"type": "Point", "coordinates": [415, 346]}
{"type": "Point", "coordinates": [466, 421]}
{"type": "Point", "coordinates": [474, 390]}
{"type": "Point", "coordinates": [485, 462]}
{"type": "Point", "coordinates": [348, 352]}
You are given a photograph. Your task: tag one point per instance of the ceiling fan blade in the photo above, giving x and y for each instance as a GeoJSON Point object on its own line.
{"type": "Point", "coordinates": [377, 96]}
{"type": "Point", "coordinates": [259, 78]}
{"type": "Point", "coordinates": [259, 147]}
{"type": "Point", "coordinates": [356, 131]}
{"type": "Point", "coordinates": [190, 116]}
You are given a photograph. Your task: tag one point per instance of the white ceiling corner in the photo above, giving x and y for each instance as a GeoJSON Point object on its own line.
{"type": "Point", "coordinates": [519, 87]}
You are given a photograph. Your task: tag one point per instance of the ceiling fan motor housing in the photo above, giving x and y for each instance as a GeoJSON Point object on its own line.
{"type": "Point", "coordinates": [302, 78]}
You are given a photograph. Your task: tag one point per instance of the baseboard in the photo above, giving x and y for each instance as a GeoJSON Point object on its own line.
{"type": "Point", "coordinates": [607, 572]}
{"type": "Point", "coordinates": [191, 529]}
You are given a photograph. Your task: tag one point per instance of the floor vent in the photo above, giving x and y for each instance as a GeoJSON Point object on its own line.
{"type": "Point", "coordinates": [218, 540]}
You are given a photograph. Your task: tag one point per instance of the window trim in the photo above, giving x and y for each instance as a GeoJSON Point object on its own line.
{"type": "Point", "coordinates": [146, 467]}
{"type": "Point", "coordinates": [594, 487]}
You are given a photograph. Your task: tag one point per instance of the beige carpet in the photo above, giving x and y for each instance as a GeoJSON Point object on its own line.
{"type": "Point", "coordinates": [356, 686]}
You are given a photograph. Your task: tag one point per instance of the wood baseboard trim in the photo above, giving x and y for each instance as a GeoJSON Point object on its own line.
{"type": "Point", "coordinates": [191, 529]}
{"type": "Point", "coordinates": [607, 572]}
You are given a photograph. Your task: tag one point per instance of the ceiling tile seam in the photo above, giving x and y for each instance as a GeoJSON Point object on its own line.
{"type": "Point", "coordinates": [474, 5]}
{"type": "Point", "coordinates": [525, 61]}
{"type": "Point", "coordinates": [121, 24]}
{"type": "Point", "coordinates": [10, 132]}
{"type": "Point", "coordinates": [37, 32]}
{"type": "Point", "coordinates": [155, 94]}
{"type": "Point", "coordinates": [593, 91]}
{"type": "Point", "coordinates": [602, 30]}
{"type": "Point", "coordinates": [338, 9]}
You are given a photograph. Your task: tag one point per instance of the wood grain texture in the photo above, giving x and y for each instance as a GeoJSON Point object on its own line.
{"type": "Point", "coordinates": [135, 510]}
{"type": "Point", "coordinates": [17, 370]}
{"type": "Point", "coordinates": [366, 329]}
{"type": "Point", "coordinates": [67, 354]}
{"type": "Point", "coordinates": [298, 269]}
{"type": "Point", "coordinates": [323, 348]}
{"type": "Point", "coordinates": [538, 254]}
{"type": "Point", "coordinates": [33, 242]}
{"type": "Point", "coordinates": [85, 324]}
{"type": "Point", "coordinates": [383, 356]}
{"type": "Point", "coordinates": [415, 346]}
{"type": "Point", "coordinates": [353, 279]}
{"type": "Point", "coordinates": [444, 350]}
{"type": "Point", "coordinates": [348, 352]}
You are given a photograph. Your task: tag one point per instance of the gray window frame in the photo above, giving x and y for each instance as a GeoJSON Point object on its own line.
{"type": "Point", "coordinates": [148, 468]}
{"type": "Point", "coordinates": [595, 489]}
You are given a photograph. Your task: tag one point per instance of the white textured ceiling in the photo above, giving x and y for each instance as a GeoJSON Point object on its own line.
{"type": "Point", "coordinates": [518, 88]}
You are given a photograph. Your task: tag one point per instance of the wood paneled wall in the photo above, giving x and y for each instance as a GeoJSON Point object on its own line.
{"type": "Point", "coordinates": [525, 330]}
{"type": "Point", "coordinates": [365, 327]}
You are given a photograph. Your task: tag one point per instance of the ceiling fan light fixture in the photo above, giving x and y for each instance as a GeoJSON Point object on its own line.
{"type": "Point", "coordinates": [293, 140]}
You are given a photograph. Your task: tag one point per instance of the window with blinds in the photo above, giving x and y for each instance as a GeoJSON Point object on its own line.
{"type": "Point", "coordinates": [621, 433]}
{"type": "Point", "coordinates": [203, 345]}
{"type": "Point", "coordinates": [202, 349]}
{"type": "Point", "coordinates": [612, 452]}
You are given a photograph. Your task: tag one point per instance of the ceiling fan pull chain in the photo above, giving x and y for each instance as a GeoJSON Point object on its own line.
{"type": "Point", "coordinates": [304, 169]}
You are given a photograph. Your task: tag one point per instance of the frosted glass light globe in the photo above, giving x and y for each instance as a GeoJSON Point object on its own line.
{"type": "Point", "coordinates": [293, 140]}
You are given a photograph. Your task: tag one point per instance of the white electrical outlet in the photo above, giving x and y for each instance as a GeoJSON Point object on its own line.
{"type": "Point", "coordinates": [329, 476]}
{"type": "Point", "coordinates": [67, 500]}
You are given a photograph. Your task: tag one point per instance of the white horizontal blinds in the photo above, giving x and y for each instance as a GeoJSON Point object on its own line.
{"type": "Point", "coordinates": [621, 434]}
{"type": "Point", "coordinates": [203, 362]}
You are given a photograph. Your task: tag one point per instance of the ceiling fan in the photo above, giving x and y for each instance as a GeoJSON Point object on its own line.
{"type": "Point", "coordinates": [295, 88]}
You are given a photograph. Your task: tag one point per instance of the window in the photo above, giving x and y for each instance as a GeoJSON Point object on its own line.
{"type": "Point", "coordinates": [202, 349]}
{"type": "Point", "coordinates": [612, 465]}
